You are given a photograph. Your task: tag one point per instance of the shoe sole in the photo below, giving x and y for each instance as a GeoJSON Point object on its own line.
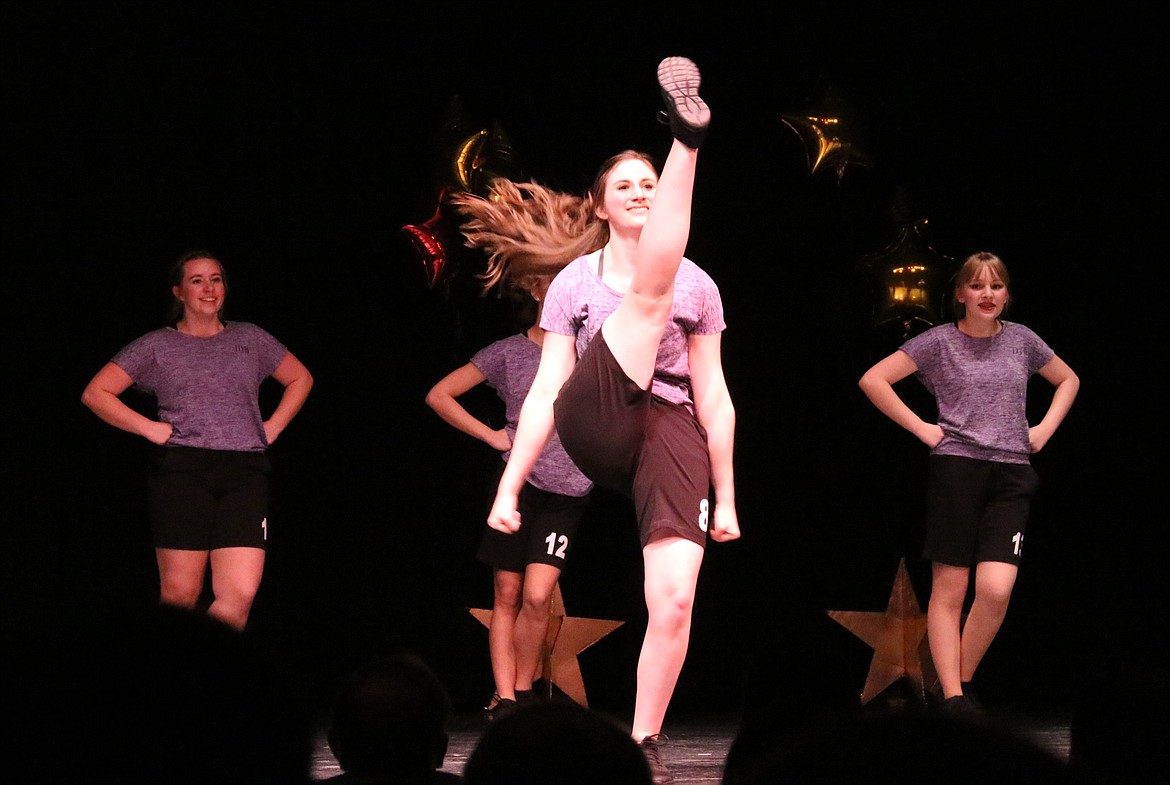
{"type": "Point", "coordinates": [679, 79]}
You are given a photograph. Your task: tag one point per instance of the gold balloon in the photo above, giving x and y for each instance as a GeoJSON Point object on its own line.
{"type": "Point", "coordinates": [827, 133]}
{"type": "Point", "coordinates": [909, 283]}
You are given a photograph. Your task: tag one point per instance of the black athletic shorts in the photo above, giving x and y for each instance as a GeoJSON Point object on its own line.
{"type": "Point", "coordinates": [548, 528]}
{"type": "Point", "coordinates": [977, 510]}
{"type": "Point", "coordinates": [201, 500]}
{"type": "Point", "coordinates": [625, 438]}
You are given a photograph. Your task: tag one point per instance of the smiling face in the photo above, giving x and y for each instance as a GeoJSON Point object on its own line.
{"type": "Point", "coordinates": [201, 289]}
{"type": "Point", "coordinates": [629, 191]}
{"type": "Point", "coordinates": [983, 296]}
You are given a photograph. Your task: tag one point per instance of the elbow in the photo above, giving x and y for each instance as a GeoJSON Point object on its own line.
{"type": "Point", "coordinates": [89, 398]}
{"type": "Point", "coordinates": [434, 398]}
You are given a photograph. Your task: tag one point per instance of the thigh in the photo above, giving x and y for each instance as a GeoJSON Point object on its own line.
{"type": "Point", "coordinates": [181, 498]}
{"type": "Point", "coordinates": [600, 416]}
{"type": "Point", "coordinates": [241, 519]}
{"type": "Point", "coordinates": [1005, 516]}
{"type": "Point", "coordinates": [672, 482]}
{"type": "Point", "coordinates": [552, 521]}
{"type": "Point", "coordinates": [956, 493]}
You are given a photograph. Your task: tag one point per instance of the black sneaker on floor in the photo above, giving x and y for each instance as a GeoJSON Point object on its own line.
{"type": "Point", "coordinates": [962, 707]}
{"type": "Point", "coordinates": [687, 114]}
{"type": "Point", "coordinates": [651, 751]}
{"type": "Point", "coordinates": [500, 708]}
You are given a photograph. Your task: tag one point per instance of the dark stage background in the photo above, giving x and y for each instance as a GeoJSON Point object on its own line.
{"type": "Point", "coordinates": [295, 142]}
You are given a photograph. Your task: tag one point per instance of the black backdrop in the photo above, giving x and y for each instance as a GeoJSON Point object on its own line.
{"type": "Point", "coordinates": [296, 143]}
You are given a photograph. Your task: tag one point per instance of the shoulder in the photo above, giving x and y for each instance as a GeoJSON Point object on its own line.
{"type": "Point", "coordinates": [694, 272]}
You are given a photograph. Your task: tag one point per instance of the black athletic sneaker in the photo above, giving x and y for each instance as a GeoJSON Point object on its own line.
{"type": "Point", "coordinates": [687, 114]}
{"type": "Point", "coordinates": [650, 750]}
{"type": "Point", "coordinates": [500, 708]}
{"type": "Point", "coordinates": [961, 707]}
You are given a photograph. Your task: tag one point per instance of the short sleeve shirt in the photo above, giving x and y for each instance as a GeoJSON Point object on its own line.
{"type": "Point", "coordinates": [578, 303]}
{"type": "Point", "coordinates": [980, 385]}
{"type": "Point", "coordinates": [207, 388]}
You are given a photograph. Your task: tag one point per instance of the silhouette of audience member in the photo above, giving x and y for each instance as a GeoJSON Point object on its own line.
{"type": "Point", "coordinates": [1118, 732]}
{"type": "Point", "coordinates": [162, 695]}
{"type": "Point", "coordinates": [556, 743]}
{"type": "Point", "coordinates": [389, 725]}
{"type": "Point", "coordinates": [859, 749]}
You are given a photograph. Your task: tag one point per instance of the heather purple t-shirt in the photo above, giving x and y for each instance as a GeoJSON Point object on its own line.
{"type": "Point", "coordinates": [981, 387]}
{"type": "Point", "coordinates": [509, 365]}
{"type": "Point", "coordinates": [207, 388]}
{"type": "Point", "coordinates": [578, 302]}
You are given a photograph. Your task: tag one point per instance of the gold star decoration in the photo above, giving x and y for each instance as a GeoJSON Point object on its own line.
{"type": "Point", "coordinates": [898, 639]}
{"type": "Point", "coordinates": [567, 637]}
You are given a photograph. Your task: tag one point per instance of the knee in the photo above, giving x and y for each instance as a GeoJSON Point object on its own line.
{"type": "Point", "coordinates": [178, 592]}
{"type": "Point", "coordinates": [536, 601]}
{"type": "Point", "coordinates": [507, 596]}
{"type": "Point", "coordinates": [671, 610]}
{"type": "Point", "coordinates": [994, 595]}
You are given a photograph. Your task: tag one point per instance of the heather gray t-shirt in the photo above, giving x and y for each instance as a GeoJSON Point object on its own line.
{"type": "Point", "coordinates": [578, 302]}
{"type": "Point", "coordinates": [981, 387]}
{"type": "Point", "coordinates": [207, 388]}
{"type": "Point", "coordinates": [509, 365]}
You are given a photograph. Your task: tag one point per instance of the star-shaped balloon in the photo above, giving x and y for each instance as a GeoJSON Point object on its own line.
{"type": "Point", "coordinates": [898, 639]}
{"type": "Point", "coordinates": [467, 158]}
{"type": "Point", "coordinates": [827, 129]}
{"type": "Point", "coordinates": [908, 283]}
{"type": "Point", "coordinates": [567, 637]}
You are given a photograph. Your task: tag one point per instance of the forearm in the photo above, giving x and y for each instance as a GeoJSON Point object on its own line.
{"type": "Point", "coordinates": [453, 413]}
{"type": "Point", "coordinates": [291, 400]}
{"type": "Point", "coordinates": [113, 411]}
{"type": "Point", "coordinates": [720, 426]}
{"type": "Point", "coordinates": [532, 434]}
{"type": "Point", "coordinates": [881, 394]}
{"type": "Point", "coordinates": [1058, 409]}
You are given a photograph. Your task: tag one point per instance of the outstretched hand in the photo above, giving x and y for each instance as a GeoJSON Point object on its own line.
{"type": "Point", "coordinates": [725, 526]}
{"type": "Point", "coordinates": [504, 516]}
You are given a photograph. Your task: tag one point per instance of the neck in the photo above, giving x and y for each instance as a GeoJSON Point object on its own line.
{"type": "Point", "coordinates": [980, 329]}
{"type": "Point", "coordinates": [199, 325]}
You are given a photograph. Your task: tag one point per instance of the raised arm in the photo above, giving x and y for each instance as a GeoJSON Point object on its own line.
{"type": "Point", "coordinates": [297, 382]}
{"type": "Point", "coordinates": [1067, 384]}
{"type": "Point", "coordinates": [101, 396]}
{"type": "Point", "coordinates": [716, 414]}
{"type": "Point", "coordinates": [558, 356]}
{"type": "Point", "coordinates": [442, 398]}
{"type": "Point", "coordinates": [878, 385]}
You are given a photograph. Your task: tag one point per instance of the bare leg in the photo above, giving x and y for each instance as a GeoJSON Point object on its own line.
{"type": "Point", "coordinates": [180, 575]}
{"type": "Point", "coordinates": [505, 607]}
{"type": "Point", "coordinates": [235, 578]}
{"type": "Point", "coordinates": [532, 623]}
{"type": "Point", "coordinates": [943, 620]}
{"type": "Point", "coordinates": [993, 588]}
{"type": "Point", "coordinates": [634, 330]}
{"type": "Point", "coordinates": [672, 571]}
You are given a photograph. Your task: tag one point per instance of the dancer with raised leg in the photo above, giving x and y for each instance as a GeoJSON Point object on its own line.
{"type": "Point", "coordinates": [631, 371]}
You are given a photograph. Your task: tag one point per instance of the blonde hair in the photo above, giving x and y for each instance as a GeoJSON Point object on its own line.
{"type": "Point", "coordinates": [970, 270]}
{"type": "Point", "coordinates": [530, 230]}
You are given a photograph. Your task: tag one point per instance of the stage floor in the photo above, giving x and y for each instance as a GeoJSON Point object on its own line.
{"type": "Point", "coordinates": [698, 745]}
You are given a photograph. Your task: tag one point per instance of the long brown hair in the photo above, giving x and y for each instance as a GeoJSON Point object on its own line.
{"type": "Point", "coordinates": [528, 229]}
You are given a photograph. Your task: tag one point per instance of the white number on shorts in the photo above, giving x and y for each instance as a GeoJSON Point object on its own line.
{"type": "Point", "coordinates": [1018, 543]}
{"type": "Point", "coordinates": [264, 526]}
{"type": "Point", "coordinates": [704, 505]}
{"type": "Point", "coordinates": [557, 545]}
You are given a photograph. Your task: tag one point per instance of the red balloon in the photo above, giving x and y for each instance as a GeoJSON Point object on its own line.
{"type": "Point", "coordinates": [427, 244]}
